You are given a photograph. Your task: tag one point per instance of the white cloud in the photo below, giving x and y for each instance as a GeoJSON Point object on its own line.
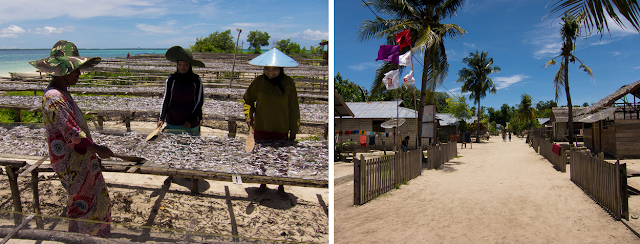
{"type": "Point", "coordinates": [26, 10]}
{"type": "Point", "coordinates": [48, 30]}
{"type": "Point", "coordinates": [11, 32]}
{"type": "Point", "coordinates": [637, 67]}
{"type": "Point", "coordinates": [363, 66]}
{"type": "Point", "coordinates": [616, 53]}
{"type": "Point", "coordinates": [470, 45]}
{"type": "Point", "coordinates": [309, 34]}
{"type": "Point", "coordinates": [250, 25]}
{"type": "Point", "coordinates": [13, 29]}
{"type": "Point", "coordinates": [164, 28]}
{"type": "Point", "coordinates": [505, 82]}
{"type": "Point", "coordinates": [545, 38]}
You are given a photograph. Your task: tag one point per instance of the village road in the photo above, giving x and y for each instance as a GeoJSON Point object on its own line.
{"type": "Point", "coordinates": [497, 192]}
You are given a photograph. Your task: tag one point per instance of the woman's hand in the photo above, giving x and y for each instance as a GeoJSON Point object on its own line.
{"type": "Point", "coordinates": [249, 122]}
{"type": "Point", "coordinates": [102, 151]}
{"type": "Point", "coordinates": [187, 125]}
{"type": "Point", "coordinates": [160, 124]}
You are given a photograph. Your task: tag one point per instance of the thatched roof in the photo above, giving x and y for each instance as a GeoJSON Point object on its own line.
{"type": "Point", "coordinates": [633, 89]}
{"type": "Point", "coordinates": [562, 114]}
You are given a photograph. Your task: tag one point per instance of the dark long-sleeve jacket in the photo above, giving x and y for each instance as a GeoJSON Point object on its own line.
{"type": "Point", "coordinates": [183, 99]}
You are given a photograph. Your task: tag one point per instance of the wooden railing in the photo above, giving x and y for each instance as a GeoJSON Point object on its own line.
{"type": "Point", "coordinates": [439, 154]}
{"type": "Point", "coordinates": [559, 161]}
{"type": "Point", "coordinates": [604, 182]}
{"type": "Point", "coordinates": [375, 177]}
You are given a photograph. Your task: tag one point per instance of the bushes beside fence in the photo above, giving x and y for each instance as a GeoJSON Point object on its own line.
{"type": "Point", "coordinates": [605, 182]}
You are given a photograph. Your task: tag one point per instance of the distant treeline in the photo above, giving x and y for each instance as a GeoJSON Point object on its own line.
{"type": "Point", "coordinates": [223, 42]}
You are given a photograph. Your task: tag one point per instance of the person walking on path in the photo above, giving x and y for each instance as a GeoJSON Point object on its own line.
{"type": "Point", "coordinates": [71, 150]}
{"type": "Point", "coordinates": [183, 95]}
{"type": "Point", "coordinates": [271, 103]}
{"type": "Point", "coordinates": [509, 136]}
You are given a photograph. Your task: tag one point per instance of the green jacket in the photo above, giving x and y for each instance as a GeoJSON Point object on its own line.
{"type": "Point", "coordinates": [270, 109]}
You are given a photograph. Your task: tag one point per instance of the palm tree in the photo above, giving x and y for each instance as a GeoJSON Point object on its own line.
{"type": "Point", "coordinates": [427, 35]}
{"type": "Point", "coordinates": [569, 32]}
{"type": "Point", "coordinates": [476, 79]}
{"type": "Point", "coordinates": [526, 111]}
{"type": "Point", "coordinates": [594, 11]}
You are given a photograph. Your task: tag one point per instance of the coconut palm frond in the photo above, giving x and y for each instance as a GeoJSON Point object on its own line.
{"type": "Point", "coordinates": [558, 81]}
{"type": "Point", "coordinates": [595, 12]}
{"type": "Point", "coordinates": [550, 62]}
{"type": "Point", "coordinates": [585, 68]}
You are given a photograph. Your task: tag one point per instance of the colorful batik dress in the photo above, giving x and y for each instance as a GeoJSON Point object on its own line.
{"type": "Point", "coordinates": [78, 169]}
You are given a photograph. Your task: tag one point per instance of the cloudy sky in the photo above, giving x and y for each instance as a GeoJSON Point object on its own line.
{"type": "Point", "coordinates": [520, 40]}
{"type": "Point", "coordinates": [157, 23]}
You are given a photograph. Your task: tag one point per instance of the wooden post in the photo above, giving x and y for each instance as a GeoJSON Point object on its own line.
{"type": "Point", "coordinates": [357, 195]}
{"type": "Point", "coordinates": [194, 186]}
{"type": "Point", "coordinates": [19, 112]}
{"type": "Point", "coordinates": [15, 193]}
{"type": "Point", "coordinates": [36, 199]}
{"type": "Point", "coordinates": [624, 194]}
{"type": "Point", "coordinates": [100, 121]}
{"type": "Point", "coordinates": [127, 123]}
{"type": "Point", "coordinates": [233, 128]}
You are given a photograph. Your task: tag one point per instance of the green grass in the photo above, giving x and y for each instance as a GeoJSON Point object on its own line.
{"type": "Point", "coordinates": [11, 116]}
{"type": "Point", "coordinates": [23, 93]}
{"type": "Point", "coordinates": [316, 137]}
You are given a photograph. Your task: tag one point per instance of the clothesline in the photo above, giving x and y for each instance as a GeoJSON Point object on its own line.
{"type": "Point", "coordinates": [364, 133]}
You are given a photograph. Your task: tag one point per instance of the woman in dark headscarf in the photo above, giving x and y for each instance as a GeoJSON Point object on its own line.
{"type": "Point", "coordinates": [183, 96]}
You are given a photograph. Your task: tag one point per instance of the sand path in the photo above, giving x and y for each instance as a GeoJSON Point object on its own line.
{"type": "Point", "coordinates": [497, 192]}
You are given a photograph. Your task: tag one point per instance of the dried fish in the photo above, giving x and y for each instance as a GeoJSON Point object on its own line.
{"type": "Point", "coordinates": [304, 160]}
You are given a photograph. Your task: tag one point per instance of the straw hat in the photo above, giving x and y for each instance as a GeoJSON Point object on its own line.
{"type": "Point", "coordinates": [64, 59]}
{"type": "Point", "coordinates": [274, 58]}
{"type": "Point", "coordinates": [177, 53]}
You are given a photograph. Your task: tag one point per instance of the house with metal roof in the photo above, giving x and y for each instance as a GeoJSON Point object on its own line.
{"type": "Point", "coordinates": [369, 116]}
{"type": "Point", "coordinates": [560, 122]}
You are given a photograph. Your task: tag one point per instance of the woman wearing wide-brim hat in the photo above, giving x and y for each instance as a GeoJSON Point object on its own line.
{"type": "Point", "coordinates": [71, 150]}
{"type": "Point", "coordinates": [271, 103]}
{"type": "Point", "coordinates": [183, 96]}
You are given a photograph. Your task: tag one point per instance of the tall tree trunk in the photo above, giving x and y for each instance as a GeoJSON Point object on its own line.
{"type": "Point", "coordinates": [566, 88]}
{"type": "Point", "coordinates": [423, 94]}
{"type": "Point", "coordinates": [478, 123]}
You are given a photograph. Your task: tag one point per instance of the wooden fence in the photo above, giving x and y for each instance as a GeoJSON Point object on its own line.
{"type": "Point", "coordinates": [545, 149]}
{"type": "Point", "coordinates": [604, 182]}
{"type": "Point", "coordinates": [439, 154]}
{"type": "Point", "coordinates": [375, 177]}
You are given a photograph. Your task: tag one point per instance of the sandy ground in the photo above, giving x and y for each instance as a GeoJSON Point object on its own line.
{"type": "Point", "coordinates": [497, 192]}
{"type": "Point", "coordinates": [213, 215]}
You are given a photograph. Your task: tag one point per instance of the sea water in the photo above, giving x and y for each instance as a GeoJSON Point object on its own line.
{"type": "Point", "coordinates": [16, 60]}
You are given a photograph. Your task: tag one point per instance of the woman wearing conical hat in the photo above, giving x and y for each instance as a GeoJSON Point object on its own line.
{"type": "Point", "coordinates": [271, 103]}
{"type": "Point", "coordinates": [183, 96]}
{"type": "Point", "coordinates": [71, 150]}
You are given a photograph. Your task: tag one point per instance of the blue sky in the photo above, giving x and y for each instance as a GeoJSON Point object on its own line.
{"type": "Point", "coordinates": [520, 40]}
{"type": "Point", "coordinates": [157, 23]}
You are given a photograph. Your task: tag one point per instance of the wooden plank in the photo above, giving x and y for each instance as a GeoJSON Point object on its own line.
{"type": "Point", "coordinates": [33, 166]}
{"type": "Point", "coordinates": [16, 164]}
{"type": "Point", "coordinates": [356, 182]}
{"type": "Point", "coordinates": [36, 199]}
{"type": "Point", "coordinates": [15, 230]}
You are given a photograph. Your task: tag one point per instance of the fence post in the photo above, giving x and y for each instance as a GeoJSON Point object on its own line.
{"type": "Point", "coordinates": [624, 194]}
{"type": "Point", "coordinates": [357, 182]}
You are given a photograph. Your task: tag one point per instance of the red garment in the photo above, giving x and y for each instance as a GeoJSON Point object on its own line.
{"type": "Point", "coordinates": [259, 135]}
{"type": "Point", "coordinates": [363, 141]}
{"type": "Point", "coordinates": [556, 149]}
{"type": "Point", "coordinates": [404, 38]}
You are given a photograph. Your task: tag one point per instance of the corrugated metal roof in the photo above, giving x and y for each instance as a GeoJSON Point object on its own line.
{"type": "Point", "coordinates": [446, 119]}
{"type": "Point", "coordinates": [380, 110]}
{"type": "Point", "coordinates": [543, 120]}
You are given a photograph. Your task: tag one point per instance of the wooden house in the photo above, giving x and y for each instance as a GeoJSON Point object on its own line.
{"type": "Point", "coordinates": [560, 122]}
{"type": "Point", "coordinates": [612, 125]}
